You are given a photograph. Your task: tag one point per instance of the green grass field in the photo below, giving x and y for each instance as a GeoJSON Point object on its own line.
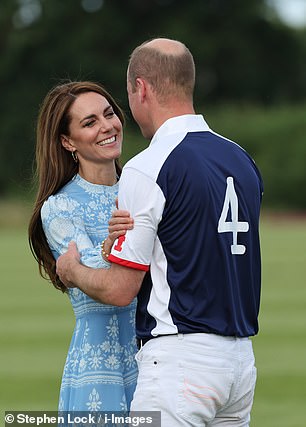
{"type": "Point", "coordinates": [37, 322]}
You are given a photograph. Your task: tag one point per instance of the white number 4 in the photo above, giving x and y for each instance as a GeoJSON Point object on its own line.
{"type": "Point", "coordinates": [234, 226]}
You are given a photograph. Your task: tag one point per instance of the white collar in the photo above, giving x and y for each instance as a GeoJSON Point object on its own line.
{"type": "Point", "coordinates": [181, 124]}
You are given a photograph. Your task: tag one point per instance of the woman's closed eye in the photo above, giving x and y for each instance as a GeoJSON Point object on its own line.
{"type": "Point", "coordinates": [90, 123]}
{"type": "Point", "coordinates": [110, 114]}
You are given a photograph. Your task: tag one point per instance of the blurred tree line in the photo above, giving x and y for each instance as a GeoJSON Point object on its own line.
{"type": "Point", "coordinates": [245, 56]}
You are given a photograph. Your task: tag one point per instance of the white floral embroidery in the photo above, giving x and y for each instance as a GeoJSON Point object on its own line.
{"type": "Point", "coordinates": [112, 362]}
{"type": "Point", "coordinates": [95, 359]}
{"type": "Point", "coordinates": [113, 329]}
{"type": "Point", "coordinates": [83, 364]}
{"type": "Point", "coordinates": [106, 346]}
{"type": "Point", "coordinates": [123, 404]}
{"type": "Point", "coordinates": [86, 332]}
{"type": "Point", "coordinates": [129, 357]}
{"type": "Point", "coordinates": [86, 348]}
{"type": "Point", "coordinates": [100, 363]}
{"type": "Point", "coordinates": [74, 361]}
{"type": "Point", "coordinates": [64, 203]}
{"type": "Point", "coordinates": [75, 293]}
{"type": "Point", "coordinates": [94, 403]}
{"type": "Point", "coordinates": [67, 229]}
{"type": "Point", "coordinates": [132, 318]}
{"type": "Point", "coordinates": [77, 327]}
{"type": "Point", "coordinates": [117, 347]}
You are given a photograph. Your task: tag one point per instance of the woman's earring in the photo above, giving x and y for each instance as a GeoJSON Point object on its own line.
{"type": "Point", "coordinates": [74, 156]}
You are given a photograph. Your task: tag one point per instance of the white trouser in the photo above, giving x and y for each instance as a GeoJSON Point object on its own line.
{"type": "Point", "coordinates": [196, 380]}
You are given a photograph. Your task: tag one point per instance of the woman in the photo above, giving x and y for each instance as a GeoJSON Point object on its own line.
{"type": "Point", "coordinates": [79, 139]}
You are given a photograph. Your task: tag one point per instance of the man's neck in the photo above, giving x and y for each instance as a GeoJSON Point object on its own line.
{"type": "Point", "coordinates": [166, 112]}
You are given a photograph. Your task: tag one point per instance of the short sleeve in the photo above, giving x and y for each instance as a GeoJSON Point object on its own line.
{"type": "Point", "coordinates": [143, 198]}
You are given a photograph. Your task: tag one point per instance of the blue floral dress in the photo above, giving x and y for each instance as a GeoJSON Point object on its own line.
{"type": "Point", "coordinates": [100, 371]}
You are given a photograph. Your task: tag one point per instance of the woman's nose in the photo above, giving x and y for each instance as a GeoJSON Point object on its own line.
{"type": "Point", "coordinates": [105, 125]}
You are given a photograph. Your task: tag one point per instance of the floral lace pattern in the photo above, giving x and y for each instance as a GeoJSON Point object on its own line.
{"type": "Point", "coordinates": [100, 370]}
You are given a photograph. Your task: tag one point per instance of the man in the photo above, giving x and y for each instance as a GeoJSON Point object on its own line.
{"type": "Point", "coordinates": [193, 256]}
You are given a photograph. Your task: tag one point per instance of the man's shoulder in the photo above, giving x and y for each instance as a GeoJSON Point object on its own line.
{"type": "Point", "coordinates": [153, 157]}
{"type": "Point", "coordinates": [138, 159]}
{"type": "Point", "coordinates": [148, 162]}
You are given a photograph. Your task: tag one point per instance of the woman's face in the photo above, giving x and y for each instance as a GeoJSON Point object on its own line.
{"type": "Point", "coordinates": [95, 130]}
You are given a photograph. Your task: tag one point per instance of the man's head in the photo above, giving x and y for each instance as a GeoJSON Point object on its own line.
{"type": "Point", "coordinates": [162, 68]}
{"type": "Point", "coordinates": [167, 65]}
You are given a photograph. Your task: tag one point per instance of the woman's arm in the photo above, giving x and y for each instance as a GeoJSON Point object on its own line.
{"type": "Point", "coordinates": [63, 223]}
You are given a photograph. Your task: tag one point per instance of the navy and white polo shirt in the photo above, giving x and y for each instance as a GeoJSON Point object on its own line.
{"type": "Point", "coordinates": [195, 198]}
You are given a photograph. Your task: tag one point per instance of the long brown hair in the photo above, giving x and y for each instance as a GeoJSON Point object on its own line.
{"type": "Point", "coordinates": [54, 164]}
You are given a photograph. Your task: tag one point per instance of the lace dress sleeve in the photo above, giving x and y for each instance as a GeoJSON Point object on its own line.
{"type": "Point", "coordinates": [63, 222]}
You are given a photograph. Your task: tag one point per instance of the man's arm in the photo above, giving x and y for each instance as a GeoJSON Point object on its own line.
{"type": "Point", "coordinates": [116, 286]}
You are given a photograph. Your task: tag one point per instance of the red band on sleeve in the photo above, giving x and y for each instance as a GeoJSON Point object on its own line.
{"type": "Point", "coordinates": [130, 264]}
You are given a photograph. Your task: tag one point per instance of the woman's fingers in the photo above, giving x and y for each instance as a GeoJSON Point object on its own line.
{"type": "Point", "coordinates": [120, 222]}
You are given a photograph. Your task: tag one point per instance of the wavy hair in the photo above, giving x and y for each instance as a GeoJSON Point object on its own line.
{"type": "Point", "coordinates": [55, 166]}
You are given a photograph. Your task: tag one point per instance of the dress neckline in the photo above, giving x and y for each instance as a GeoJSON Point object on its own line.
{"type": "Point", "coordinates": [94, 188]}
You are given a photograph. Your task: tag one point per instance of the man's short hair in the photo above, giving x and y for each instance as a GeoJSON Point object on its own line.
{"type": "Point", "coordinates": [171, 74]}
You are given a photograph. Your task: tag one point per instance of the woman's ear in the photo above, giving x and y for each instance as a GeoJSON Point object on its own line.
{"type": "Point", "coordinates": [65, 141]}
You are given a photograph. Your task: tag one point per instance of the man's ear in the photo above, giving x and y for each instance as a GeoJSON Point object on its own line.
{"type": "Point", "coordinates": [141, 88]}
{"type": "Point", "coordinates": [65, 141]}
